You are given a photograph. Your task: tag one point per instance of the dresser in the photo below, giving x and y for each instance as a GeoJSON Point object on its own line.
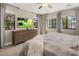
{"type": "Point", "coordinates": [19, 36]}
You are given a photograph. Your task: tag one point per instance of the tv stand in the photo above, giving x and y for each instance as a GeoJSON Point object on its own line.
{"type": "Point", "coordinates": [20, 36]}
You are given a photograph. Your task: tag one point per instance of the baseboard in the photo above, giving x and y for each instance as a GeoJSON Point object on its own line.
{"type": "Point", "coordinates": [6, 44]}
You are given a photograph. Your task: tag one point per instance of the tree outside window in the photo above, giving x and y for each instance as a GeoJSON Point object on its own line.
{"type": "Point", "coordinates": [69, 22]}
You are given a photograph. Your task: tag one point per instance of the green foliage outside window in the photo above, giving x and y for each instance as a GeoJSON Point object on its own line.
{"type": "Point", "coordinates": [64, 22]}
{"type": "Point", "coordinates": [53, 22]}
{"type": "Point", "coordinates": [9, 22]}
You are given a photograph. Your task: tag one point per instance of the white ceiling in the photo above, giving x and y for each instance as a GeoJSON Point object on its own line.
{"type": "Point", "coordinates": [33, 7]}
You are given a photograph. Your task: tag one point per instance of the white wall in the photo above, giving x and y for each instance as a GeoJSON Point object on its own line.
{"type": "Point", "coordinates": [8, 37]}
{"type": "Point", "coordinates": [52, 15]}
{"type": "Point", "coordinates": [69, 12]}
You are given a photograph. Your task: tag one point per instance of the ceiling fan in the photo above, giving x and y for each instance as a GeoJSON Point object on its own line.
{"type": "Point", "coordinates": [44, 5]}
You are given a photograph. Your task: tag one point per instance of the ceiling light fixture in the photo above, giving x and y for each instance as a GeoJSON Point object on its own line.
{"type": "Point", "coordinates": [45, 5]}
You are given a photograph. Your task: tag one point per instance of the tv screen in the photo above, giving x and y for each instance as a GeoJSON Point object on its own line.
{"type": "Point", "coordinates": [24, 23]}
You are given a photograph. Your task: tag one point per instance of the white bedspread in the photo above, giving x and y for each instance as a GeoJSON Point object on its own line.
{"type": "Point", "coordinates": [36, 46]}
{"type": "Point", "coordinates": [55, 43]}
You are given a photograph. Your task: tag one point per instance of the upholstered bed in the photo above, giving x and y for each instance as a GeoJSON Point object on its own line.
{"type": "Point", "coordinates": [52, 44]}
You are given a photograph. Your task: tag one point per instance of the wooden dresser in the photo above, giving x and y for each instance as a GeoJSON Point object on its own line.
{"type": "Point", "coordinates": [20, 36]}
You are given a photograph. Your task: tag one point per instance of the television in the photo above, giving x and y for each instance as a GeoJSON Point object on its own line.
{"type": "Point", "coordinates": [24, 23]}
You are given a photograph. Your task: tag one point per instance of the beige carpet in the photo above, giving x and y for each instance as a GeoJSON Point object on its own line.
{"type": "Point", "coordinates": [11, 50]}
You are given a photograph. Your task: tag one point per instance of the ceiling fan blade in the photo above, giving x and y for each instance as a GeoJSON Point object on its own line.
{"type": "Point", "coordinates": [50, 6]}
{"type": "Point", "coordinates": [40, 7]}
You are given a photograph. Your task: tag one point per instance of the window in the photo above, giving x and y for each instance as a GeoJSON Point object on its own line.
{"type": "Point", "coordinates": [10, 22]}
{"type": "Point", "coordinates": [49, 23]}
{"type": "Point", "coordinates": [69, 22]}
{"type": "Point", "coordinates": [35, 24]}
{"type": "Point", "coordinates": [64, 22]}
{"type": "Point", "coordinates": [53, 22]}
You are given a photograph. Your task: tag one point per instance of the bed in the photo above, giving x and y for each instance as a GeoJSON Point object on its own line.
{"type": "Point", "coordinates": [52, 44]}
